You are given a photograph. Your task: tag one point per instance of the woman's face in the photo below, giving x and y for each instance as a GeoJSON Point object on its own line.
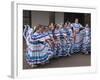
{"type": "Point", "coordinates": [76, 20]}
{"type": "Point", "coordinates": [69, 24]}
{"type": "Point", "coordinates": [51, 24]}
{"type": "Point", "coordinates": [51, 27]}
{"type": "Point", "coordinates": [66, 25]}
{"type": "Point", "coordinates": [57, 26]}
{"type": "Point", "coordinates": [41, 29]}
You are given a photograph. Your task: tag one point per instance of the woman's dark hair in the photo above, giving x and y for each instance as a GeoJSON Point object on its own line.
{"type": "Point", "coordinates": [50, 23]}
{"type": "Point", "coordinates": [38, 27]}
{"type": "Point", "coordinates": [81, 28]}
{"type": "Point", "coordinates": [72, 28]}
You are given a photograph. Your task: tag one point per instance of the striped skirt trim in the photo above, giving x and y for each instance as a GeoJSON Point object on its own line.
{"type": "Point", "coordinates": [38, 59]}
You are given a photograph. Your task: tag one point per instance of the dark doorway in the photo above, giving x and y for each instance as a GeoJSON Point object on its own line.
{"type": "Point", "coordinates": [27, 17]}
{"type": "Point", "coordinates": [84, 18]}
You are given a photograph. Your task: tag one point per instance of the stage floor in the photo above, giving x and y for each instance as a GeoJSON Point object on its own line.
{"type": "Point", "coordinates": [76, 60]}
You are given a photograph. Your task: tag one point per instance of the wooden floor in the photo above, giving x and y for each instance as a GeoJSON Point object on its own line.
{"type": "Point", "coordinates": [75, 60]}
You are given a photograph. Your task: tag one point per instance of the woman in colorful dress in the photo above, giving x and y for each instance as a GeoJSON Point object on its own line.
{"type": "Point", "coordinates": [70, 39]}
{"type": "Point", "coordinates": [51, 35]}
{"type": "Point", "coordinates": [77, 37]}
{"type": "Point", "coordinates": [47, 39]}
{"type": "Point", "coordinates": [64, 40]}
{"type": "Point", "coordinates": [37, 48]}
{"type": "Point", "coordinates": [57, 42]}
{"type": "Point", "coordinates": [86, 46]}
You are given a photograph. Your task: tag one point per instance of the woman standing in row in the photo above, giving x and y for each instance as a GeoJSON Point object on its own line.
{"type": "Point", "coordinates": [38, 50]}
